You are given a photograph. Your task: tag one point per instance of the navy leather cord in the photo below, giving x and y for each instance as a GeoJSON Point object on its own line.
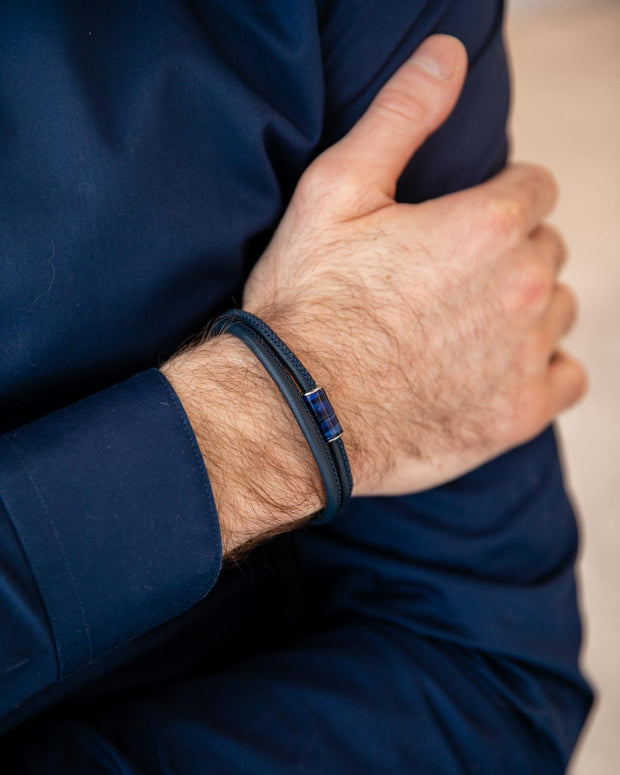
{"type": "Point", "coordinates": [313, 412]}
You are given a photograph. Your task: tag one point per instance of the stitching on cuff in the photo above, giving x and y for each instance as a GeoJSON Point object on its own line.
{"type": "Point", "coordinates": [63, 554]}
{"type": "Point", "coordinates": [185, 424]}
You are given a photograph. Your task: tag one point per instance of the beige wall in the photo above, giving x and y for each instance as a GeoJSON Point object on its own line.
{"type": "Point", "coordinates": [566, 62]}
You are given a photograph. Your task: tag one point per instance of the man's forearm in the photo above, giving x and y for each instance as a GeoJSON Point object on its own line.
{"type": "Point", "coordinates": [438, 325]}
{"type": "Point", "coordinates": [262, 472]}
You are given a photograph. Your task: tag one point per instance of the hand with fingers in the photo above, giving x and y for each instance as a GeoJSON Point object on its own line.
{"type": "Point", "coordinates": [434, 327]}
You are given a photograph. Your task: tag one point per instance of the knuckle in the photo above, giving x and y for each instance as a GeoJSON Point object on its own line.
{"type": "Point", "coordinates": [531, 288]}
{"type": "Point", "coordinates": [555, 237]}
{"type": "Point", "coordinates": [539, 182]}
{"type": "Point", "coordinates": [577, 384]}
{"type": "Point", "coordinates": [545, 181]}
{"type": "Point", "coordinates": [503, 218]}
{"type": "Point", "coordinates": [403, 106]}
{"type": "Point", "coordinates": [554, 245]}
{"type": "Point", "coordinates": [583, 382]}
{"type": "Point", "coordinates": [560, 249]}
{"type": "Point", "coordinates": [571, 304]}
{"type": "Point", "coordinates": [571, 298]}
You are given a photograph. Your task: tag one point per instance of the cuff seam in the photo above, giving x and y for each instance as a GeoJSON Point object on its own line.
{"type": "Point", "coordinates": [30, 558]}
{"type": "Point", "coordinates": [215, 535]}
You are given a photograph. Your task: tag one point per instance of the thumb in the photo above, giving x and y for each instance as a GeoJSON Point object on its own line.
{"type": "Point", "coordinates": [409, 107]}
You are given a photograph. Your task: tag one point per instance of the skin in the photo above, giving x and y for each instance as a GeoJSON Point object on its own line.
{"type": "Point", "coordinates": [434, 328]}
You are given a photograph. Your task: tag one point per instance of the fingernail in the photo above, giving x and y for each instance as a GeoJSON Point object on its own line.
{"type": "Point", "coordinates": [437, 56]}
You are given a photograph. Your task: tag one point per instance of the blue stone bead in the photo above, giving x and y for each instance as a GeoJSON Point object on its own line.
{"type": "Point", "coordinates": [323, 411]}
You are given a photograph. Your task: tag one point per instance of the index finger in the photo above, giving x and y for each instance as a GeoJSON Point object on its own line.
{"type": "Point", "coordinates": [521, 196]}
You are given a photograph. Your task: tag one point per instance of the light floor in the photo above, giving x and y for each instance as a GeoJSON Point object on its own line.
{"type": "Point", "coordinates": [566, 62]}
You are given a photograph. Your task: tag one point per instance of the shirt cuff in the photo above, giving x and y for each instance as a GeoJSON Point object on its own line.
{"type": "Point", "coordinates": [112, 504]}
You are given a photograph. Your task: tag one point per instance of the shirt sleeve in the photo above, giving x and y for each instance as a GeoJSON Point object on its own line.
{"type": "Point", "coordinates": [439, 641]}
{"type": "Point", "coordinates": [108, 529]}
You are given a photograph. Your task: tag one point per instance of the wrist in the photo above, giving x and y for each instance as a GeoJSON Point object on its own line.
{"type": "Point", "coordinates": [316, 339]}
{"type": "Point", "coordinates": [262, 473]}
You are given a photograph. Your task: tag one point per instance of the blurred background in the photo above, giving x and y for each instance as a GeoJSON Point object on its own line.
{"type": "Point", "coordinates": [566, 114]}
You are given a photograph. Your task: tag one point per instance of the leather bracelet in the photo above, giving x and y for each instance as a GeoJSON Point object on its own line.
{"type": "Point", "coordinates": [308, 403]}
{"type": "Point", "coordinates": [309, 388]}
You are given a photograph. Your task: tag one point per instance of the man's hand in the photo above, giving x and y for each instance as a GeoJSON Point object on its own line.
{"type": "Point", "coordinates": [433, 327]}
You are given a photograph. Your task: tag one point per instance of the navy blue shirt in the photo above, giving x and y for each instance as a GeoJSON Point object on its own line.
{"type": "Point", "coordinates": [147, 152]}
